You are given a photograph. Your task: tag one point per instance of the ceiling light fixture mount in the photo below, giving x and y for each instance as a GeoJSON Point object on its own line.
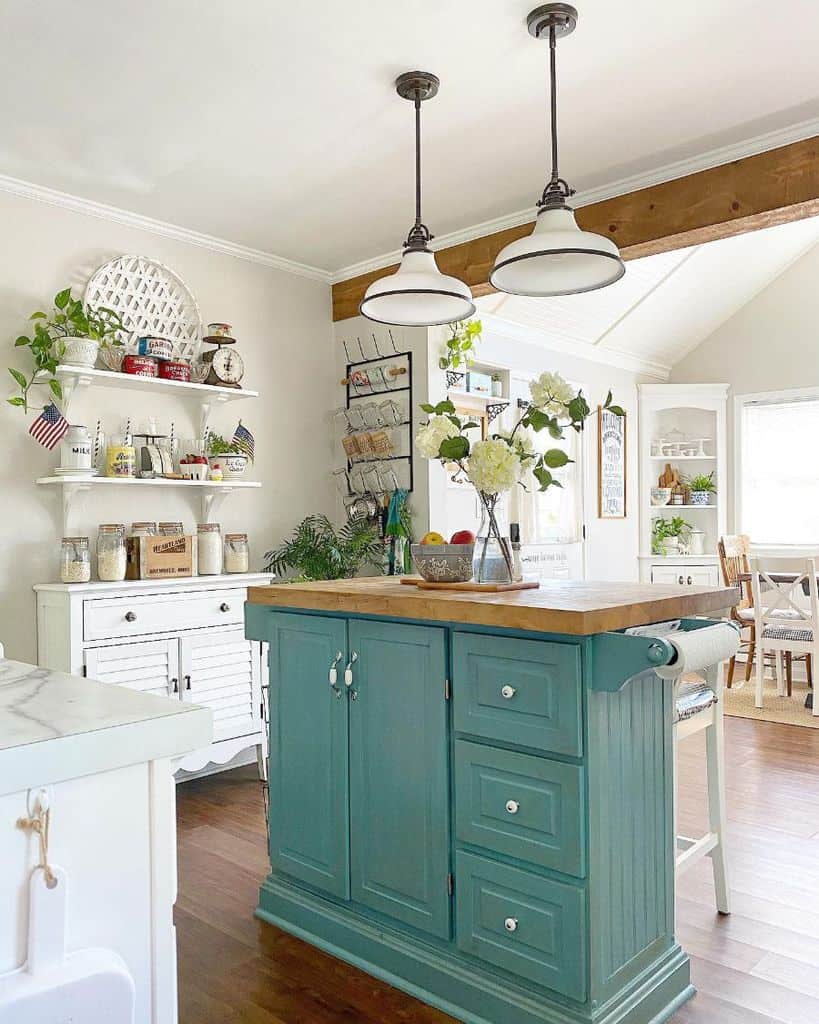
{"type": "Point", "coordinates": [417, 294]}
{"type": "Point", "coordinates": [557, 258]}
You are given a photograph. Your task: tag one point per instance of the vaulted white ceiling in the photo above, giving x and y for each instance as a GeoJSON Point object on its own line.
{"type": "Point", "coordinates": [665, 305]}
{"type": "Point", "coordinates": [274, 124]}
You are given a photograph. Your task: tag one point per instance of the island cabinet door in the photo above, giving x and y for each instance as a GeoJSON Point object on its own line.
{"type": "Point", "coordinates": [399, 818]}
{"type": "Point", "coordinates": [309, 825]}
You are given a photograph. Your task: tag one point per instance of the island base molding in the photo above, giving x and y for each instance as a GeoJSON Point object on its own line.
{"type": "Point", "coordinates": [457, 986]}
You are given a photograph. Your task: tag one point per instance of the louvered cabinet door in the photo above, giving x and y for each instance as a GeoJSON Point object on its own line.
{"type": "Point", "coordinates": [221, 670]}
{"type": "Point", "coordinates": [152, 666]}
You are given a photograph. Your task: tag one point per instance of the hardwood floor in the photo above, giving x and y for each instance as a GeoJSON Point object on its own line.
{"type": "Point", "coordinates": [760, 965]}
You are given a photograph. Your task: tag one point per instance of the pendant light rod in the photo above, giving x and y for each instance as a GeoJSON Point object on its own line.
{"type": "Point", "coordinates": [417, 86]}
{"type": "Point", "coordinates": [417, 161]}
{"type": "Point", "coordinates": [553, 95]}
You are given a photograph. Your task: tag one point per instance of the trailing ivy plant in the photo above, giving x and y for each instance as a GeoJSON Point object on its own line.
{"type": "Point", "coordinates": [319, 551]}
{"type": "Point", "coordinates": [459, 351]}
{"type": "Point", "coordinates": [68, 319]}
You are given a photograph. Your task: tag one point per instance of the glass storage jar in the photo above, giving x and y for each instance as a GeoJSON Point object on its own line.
{"type": "Point", "coordinates": [143, 529]}
{"type": "Point", "coordinates": [209, 549]}
{"type": "Point", "coordinates": [170, 529]}
{"type": "Point", "coordinates": [237, 554]}
{"type": "Point", "coordinates": [75, 560]}
{"type": "Point", "coordinates": [112, 558]}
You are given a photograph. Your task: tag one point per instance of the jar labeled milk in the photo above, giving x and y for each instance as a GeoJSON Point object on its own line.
{"type": "Point", "coordinates": [209, 549]}
{"type": "Point", "coordinates": [75, 560]}
{"type": "Point", "coordinates": [112, 558]}
{"type": "Point", "coordinates": [237, 555]}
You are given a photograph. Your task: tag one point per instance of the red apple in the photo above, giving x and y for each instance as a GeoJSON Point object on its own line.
{"type": "Point", "coordinates": [462, 537]}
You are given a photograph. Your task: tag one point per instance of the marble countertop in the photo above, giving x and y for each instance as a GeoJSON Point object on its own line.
{"type": "Point", "coordinates": [54, 725]}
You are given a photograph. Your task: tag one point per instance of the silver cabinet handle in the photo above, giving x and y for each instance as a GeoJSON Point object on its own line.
{"type": "Point", "coordinates": [511, 924]}
{"type": "Point", "coordinates": [348, 672]}
{"type": "Point", "coordinates": [512, 806]}
{"type": "Point", "coordinates": [130, 616]}
{"type": "Point", "coordinates": [508, 691]}
{"type": "Point", "coordinates": [333, 674]}
{"type": "Point", "coordinates": [224, 607]}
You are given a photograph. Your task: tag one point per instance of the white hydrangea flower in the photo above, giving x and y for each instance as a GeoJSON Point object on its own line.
{"type": "Point", "coordinates": [522, 443]}
{"type": "Point", "coordinates": [551, 393]}
{"type": "Point", "coordinates": [493, 466]}
{"type": "Point", "coordinates": [431, 434]}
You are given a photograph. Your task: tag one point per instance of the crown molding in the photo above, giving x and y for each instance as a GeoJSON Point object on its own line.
{"type": "Point", "coordinates": [497, 326]}
{"type": "Point", "coordinates": [66, 201]}
{"type": "Point", "coordinates": [633, 183]}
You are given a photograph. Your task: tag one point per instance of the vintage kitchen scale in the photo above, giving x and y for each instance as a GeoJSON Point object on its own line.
{"type": "Point", "coordinates": [152, 457]}
{"type": "Point", "coordinates": [225, 366]}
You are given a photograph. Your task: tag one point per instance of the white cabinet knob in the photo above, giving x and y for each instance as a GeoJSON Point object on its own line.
{"type": "Point", "coordinates": [508, 691]}
{"type": "Point", "coordinates": [512, 806]}
{"type": "Point", "coordinates": [511, 924]}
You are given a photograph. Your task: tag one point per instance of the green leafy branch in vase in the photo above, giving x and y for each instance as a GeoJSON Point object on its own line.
{"type": "Point", "coordinates": [459, 349]}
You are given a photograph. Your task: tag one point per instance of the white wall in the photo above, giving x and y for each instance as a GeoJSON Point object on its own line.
{"type": "Point", "coordinates": [768, 345]}
{"type": "Point", "coordinates": [282, 322]}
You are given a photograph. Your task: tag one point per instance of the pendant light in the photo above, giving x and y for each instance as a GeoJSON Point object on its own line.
{"type": "Point", "coordinates": [417, 294]}
{"type": "Point", "coordinates": [557, 258]}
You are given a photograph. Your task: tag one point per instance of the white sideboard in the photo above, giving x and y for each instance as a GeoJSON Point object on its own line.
{"type": "Point", "coordinates": [177, 638]}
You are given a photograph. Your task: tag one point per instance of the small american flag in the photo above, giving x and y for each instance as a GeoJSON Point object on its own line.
{"type": "Point", "coordinates": [244, 441]}
{"type": "Point", "coordinates": [50, 427]}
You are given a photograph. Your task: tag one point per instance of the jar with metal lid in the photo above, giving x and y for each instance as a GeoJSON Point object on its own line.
{"type": "Point", "coordinates": [170, 529]}
{"type": "Point", "coordinates": [237, 554]}
{"type": "Point", "coordinates": [75, 560]}
{"type": "Point", "coordinates": [209, 549]}
{"type": "Point", "coordinates": [143, 529]}
{"type": "Point", "coordinates": [112, 559]}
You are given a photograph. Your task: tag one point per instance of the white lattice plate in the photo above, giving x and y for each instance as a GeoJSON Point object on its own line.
{"type": "Point", "coordinates": [151, 299]}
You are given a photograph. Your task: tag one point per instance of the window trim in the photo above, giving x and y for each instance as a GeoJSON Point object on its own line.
{"type": "Point", "coordinates": [767, 398]}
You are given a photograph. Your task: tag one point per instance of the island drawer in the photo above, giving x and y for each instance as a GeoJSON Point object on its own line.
{"type": "Point", "coordinates": [530, 926]}
{"type": "Point", "coordinates": [157, 613]}
{"type": "Point", "coordinates": [525, 692]}
{"type": "Point", "coordinates": [520, 805]}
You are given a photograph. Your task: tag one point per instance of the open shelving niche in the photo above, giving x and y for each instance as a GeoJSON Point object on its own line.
{"type": "Point", "coordinates": [75, 380]}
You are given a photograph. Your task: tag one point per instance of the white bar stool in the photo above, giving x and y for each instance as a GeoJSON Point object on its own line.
{"type": "Point", "coordinates": [699, 707]}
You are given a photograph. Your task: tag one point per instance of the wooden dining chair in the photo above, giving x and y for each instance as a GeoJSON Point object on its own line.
{"type": "Point", "coordinates": [734, 560]}
{"type": "Point", "coordinates": [784, 625]}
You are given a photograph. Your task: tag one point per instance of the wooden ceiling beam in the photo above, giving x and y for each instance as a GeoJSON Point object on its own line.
{"type": "Point", "coordinates": [754, 192]}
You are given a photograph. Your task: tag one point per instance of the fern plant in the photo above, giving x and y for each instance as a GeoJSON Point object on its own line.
{"type": "Point", "coordinates": [319, 551]}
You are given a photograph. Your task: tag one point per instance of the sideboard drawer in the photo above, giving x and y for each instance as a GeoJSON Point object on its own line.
{"type": "Point", "coordinates": [530, 926]}
{"type": "Point", "coordinates": [525, 692]}
{"type": "Point", "coordinates": [520, 805]}
{"type": "Point", "coordinates": [157, 613]}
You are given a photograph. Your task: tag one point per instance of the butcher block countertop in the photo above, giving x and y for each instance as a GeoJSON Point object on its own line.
{"type": "Point", "coordinates": [558, 606]}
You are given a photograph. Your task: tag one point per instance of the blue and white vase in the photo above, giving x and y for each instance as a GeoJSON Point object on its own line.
{"type": "Point", "coordinates": [700, 497]}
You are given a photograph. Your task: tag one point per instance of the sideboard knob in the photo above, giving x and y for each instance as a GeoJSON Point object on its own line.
{"type": "Point", "coordinates": [224, 607]}
{"type": "Point", "coordinates": [511, 924]}
{"type": "Point", "coordinates": [512, 806]}
{"type": "Point", "coordinates": [508, 691]}
{"type": "Point", "coordinates": [689, 581]}
{"type": "Point", "coordinates": [130, 616]}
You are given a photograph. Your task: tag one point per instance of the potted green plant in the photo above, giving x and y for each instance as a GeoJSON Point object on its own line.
{"type": "Point", "coordinates": [72, 333]}
{"type": "Point", "coordinates": [226, 454]}
{"type": "Point", "coordinates": [319, 551]}
{"type": "Point", "coordinates": [702, 486]}
{"type": "Point", "coordinates": [666, 535]}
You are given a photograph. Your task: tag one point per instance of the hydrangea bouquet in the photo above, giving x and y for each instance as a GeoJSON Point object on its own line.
{"type": "Point", "coordinates": [501, 461]}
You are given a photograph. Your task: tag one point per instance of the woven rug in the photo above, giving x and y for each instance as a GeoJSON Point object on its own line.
{"type": "Point", "coordinates": [739, 702]}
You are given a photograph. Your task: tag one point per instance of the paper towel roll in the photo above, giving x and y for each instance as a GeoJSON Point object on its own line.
{"type": "Point", "coordinates": [698, 649]}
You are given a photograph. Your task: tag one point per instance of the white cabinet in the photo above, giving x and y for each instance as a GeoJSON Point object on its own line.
{"type": "Point", "coordinates": [685, 574]}
{"type": "Point", "coordinates": [182, 639]}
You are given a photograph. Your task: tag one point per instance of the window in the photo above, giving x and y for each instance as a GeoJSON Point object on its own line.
{"type": "Point", "coordinates": [778, 467]}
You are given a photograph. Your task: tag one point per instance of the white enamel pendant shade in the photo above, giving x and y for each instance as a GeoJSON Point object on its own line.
{"type": "Point", "coordinates": [558, 258]}
{"type": "Point", "coordinates": [417, 295]}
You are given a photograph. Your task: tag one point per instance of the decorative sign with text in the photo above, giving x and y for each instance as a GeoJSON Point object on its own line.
{"type": "Point", "coordinates": [611, 465]}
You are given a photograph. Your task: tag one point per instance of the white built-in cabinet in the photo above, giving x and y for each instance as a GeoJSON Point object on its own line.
{"type": "Point", "coordinates": [182, 639]}
{"type": "Point", "coordinates": [692, 411]}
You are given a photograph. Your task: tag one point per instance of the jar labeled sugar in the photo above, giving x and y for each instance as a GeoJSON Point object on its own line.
{"type": "Point", "coordinates": [112, 559]}
{"type": "Point", "coordinates": [209, 549]}
{"type": "Point", "coordinates": [75, 560]}
{"type": "Point", "coordinates": [237, 555]}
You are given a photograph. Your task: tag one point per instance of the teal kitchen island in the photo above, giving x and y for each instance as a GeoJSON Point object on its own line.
{"type": "Point", "coordinates": [471, 794]}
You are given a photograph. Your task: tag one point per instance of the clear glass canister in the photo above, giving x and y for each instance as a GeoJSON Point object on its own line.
{"type": "Point", "coordinates": [237, 554]}
{"type": "Point", "coordinates": [170, 529]}
{"type": "Point", "coordinates": [75, 560]}
{"type": "Point", "coordinates": [209, 549]}
{"type": "Point", "coordinates": [112, 558]}
{"type": "Point", "coordinates": [143, 529]}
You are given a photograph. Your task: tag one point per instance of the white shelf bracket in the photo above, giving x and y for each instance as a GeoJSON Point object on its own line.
{"type": "Point", "coordinates": [205, 411]}
{"type": "Point", "coordinates": [212, 502]}
{"type": "Point", "coordinates": [73, 495]}
{"type": "Point", "coordinates": [73, 385]}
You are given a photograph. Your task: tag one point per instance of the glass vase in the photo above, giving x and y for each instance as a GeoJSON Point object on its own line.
{"type": "Point", "coordinates": [492, 558]}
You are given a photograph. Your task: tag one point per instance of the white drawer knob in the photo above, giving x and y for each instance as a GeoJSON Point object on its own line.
{"type": "Point", "coordinates": [511, 924]}
{"type": "Point", "coordinates": [512, 806]}
{"type": "Point", "coordinates": [508, 691]}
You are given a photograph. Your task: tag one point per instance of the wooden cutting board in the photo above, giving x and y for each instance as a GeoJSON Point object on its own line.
{"type": "Point", "coordinates": [486, 588]}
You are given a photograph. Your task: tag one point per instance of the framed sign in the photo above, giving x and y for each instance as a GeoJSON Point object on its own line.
{"type": "Point", "coordinates": [611, 465]}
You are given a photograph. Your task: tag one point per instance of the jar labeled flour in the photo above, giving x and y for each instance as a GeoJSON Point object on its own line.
{"type": "Point", "coordinates": [209, 549]}
{"type": "Point", "coordinates": [112, 559]}
{"type": "Point", "coordinates": [237, 555]}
